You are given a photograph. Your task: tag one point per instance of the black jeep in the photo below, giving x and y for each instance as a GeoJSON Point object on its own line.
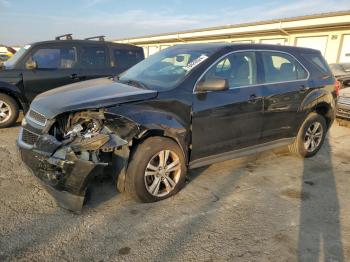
{"type": "Point", "coordinates": [42, 66]}
{"type": "Point", "coordinates": [184, 107]}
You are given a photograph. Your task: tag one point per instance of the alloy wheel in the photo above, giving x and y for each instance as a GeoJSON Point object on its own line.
{"type": "Point", "coordinates": [313, 137]}
{"type": "Point", "coordinates": [5, 112]}
{"type": "Point", "coordinates": [162, 173]}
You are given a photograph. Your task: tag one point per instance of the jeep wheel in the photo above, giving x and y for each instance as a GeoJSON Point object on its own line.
{"type": "Point", "coordinates": [8, 111]}
{"type": "Point", "coordinates": [156, 170]}
{"type": "Point", "coordinates": [310, 136]}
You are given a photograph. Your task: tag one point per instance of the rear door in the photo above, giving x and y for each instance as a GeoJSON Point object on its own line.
{"type": "Point", "coordinates": [224, 121]}
{"type": "Point", "coordinates": [285, 87]}
{"type": "Point", "coordinates": [56, 66]}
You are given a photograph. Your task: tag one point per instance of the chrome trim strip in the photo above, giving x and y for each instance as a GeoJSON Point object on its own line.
{"type": "Point", "coordinates": [252, 50]}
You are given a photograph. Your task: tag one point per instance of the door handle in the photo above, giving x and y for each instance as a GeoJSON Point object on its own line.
{"type": "Point", "coordinates": [303, 89]}
{"type": "Point", "coordinates": [75, 77]}
{"type": "Point", "coordinates": [253, 99]}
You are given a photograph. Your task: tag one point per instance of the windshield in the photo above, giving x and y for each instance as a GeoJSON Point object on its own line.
{"type": "Point", "coordinates": [165, 69]}
{"type": "Point", "coordinates": [13, 60]}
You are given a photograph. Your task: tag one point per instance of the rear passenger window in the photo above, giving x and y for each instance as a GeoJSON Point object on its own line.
{"type": "Point", "coordinates": [238, 68]}
{"type": "Point", "coordinates": [280, 67]}
{"type": "Point", "coordinates": [93, 57]}
{"type": "Point", "coordinates": [127, 58]}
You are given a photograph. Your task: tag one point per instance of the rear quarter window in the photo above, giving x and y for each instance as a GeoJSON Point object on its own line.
{"type": "Point", "coordinates": [318, 62]}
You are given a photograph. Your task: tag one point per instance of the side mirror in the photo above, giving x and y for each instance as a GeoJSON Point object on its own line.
{"type": "Point", "coordinates": [31, 64]}
{"type": "Point", "coordinates": [212, 84]}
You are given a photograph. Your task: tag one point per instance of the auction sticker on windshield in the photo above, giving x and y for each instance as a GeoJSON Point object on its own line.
{"type": "Point", "coordinates": [195, 62]}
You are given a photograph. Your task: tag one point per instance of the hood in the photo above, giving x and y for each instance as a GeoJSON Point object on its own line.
{"type": "Point", "coordinates": [90, 94]}
{"type": "Point", "coordinates": [345, 92]}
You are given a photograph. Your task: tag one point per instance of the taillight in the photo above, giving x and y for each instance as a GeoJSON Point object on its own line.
{"type": "Point", "coordinates": [337, 86]}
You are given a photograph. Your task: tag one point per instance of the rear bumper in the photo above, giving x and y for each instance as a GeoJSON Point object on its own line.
{"type": "Point", "coordinates": [343, 111]}
{"type": "Point", "coordinates": [63, 175]}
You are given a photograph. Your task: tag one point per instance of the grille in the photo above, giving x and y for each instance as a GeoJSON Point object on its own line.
{"type": "Point", "coordinates": [344, 100]}
{"type": "Point", "coordinates": [37, 117]}
{"type": "Point", "coordinates": [29, 137]}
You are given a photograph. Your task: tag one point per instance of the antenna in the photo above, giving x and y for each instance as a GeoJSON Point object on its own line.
{"type": "Point", "coordinates": [67, 36]}
{"type": "Point", "coordinates": [99, 37]}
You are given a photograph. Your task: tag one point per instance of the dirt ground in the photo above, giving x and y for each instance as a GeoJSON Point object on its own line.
{"type": "Point", "coordinates": [273, 207]}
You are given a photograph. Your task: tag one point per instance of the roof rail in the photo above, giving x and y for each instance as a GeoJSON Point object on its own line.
{"type": "Point", "coordinates": [67, 36]}
{"type": "Point", "coordinates": [99, 37]}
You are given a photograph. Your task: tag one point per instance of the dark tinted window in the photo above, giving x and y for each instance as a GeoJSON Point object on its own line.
{"type": "Point", "coordinates": [93, 57]}
{"type": "Point", "coordinates": [318, 61]}
{"type": "Point", "coordinates": [280, 67]}
{"type": "Point", "coordinates": [238, 68]}
{"type": "Point", "coordinates": [127, 58]}
{"type": "Point", "coordinates": [54, 58]}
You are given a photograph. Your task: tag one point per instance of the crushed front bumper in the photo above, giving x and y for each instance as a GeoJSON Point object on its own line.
{"type": "Point", "coordinates": [62, 173]}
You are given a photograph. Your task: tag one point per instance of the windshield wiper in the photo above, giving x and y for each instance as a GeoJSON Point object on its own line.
{"type": "Point", "coordinates": [134, 83]}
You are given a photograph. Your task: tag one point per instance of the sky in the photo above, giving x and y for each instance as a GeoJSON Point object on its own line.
{"type": "Point", "coordinates": [26, 21]}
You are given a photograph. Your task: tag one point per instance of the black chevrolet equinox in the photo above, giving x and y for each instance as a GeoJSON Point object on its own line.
{"type": "Point", "coordinates": [184, 107]}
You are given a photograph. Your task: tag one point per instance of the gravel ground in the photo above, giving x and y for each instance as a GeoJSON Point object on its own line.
{"type": "Point", "coordinates": [272, 207]}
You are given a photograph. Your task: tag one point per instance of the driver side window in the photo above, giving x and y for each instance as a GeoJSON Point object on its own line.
{"type": "Point", "coordinates": [239, 69]}
{"type": "Point", "coordinates": [55, 58]}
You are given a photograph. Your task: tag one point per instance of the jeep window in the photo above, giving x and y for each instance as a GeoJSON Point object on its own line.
{"type": "Point", "coordinates": [127, 58]}
{"type": "Point", "coordinates": [9, 64]}
{"type": "Point", "coordinates": [55, 58]}
{"type": "Point", "coordinates": [93, 57]}
{"type": "Point", "coordinates": [165, 69]}
{"type": "Point", "coordinates": [239, 69]}
{"type": "Point", "coordinates": [280, 67]}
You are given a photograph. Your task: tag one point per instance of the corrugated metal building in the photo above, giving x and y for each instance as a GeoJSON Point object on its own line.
{"type": "Point", "coordinates": [329, 33]}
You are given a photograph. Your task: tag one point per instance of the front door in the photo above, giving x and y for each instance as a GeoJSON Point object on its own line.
{"type": "Point", "coordinates": [56, 66]}
{"type": "Point", "coordinates": [224, 121]}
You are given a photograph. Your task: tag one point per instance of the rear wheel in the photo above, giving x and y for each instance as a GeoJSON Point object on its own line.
{"type": "Point", "coordinates": [310, 136]}
{"type": "Point", "coordinates": [9, 111]}
{"type": "Point", "coordinates": [156, 170]}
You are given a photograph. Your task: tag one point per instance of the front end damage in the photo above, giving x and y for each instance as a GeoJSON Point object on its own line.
{"type": "Point", "coordinates": [68, 152]}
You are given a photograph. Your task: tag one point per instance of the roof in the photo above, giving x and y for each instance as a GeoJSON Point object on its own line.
{"type": "Point", "coordinates": [282, 20]}
{"type": "Point", "coordinates": [80, 41]}
{"type": "Point", "coordinates": [238, 46]}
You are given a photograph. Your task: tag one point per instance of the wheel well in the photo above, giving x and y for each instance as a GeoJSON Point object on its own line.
{"type": "Point", "coordinates": [324, 110]}
{"type": "Point", "coordinates": [12, 95]}
{"type": "Point", "coordinates": [160, 133]}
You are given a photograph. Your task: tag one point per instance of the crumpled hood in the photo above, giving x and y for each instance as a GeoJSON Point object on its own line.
{"type": "Point", "coordinates": [90, 94]}
{"type": "Point", "coordinates": [344, 92]}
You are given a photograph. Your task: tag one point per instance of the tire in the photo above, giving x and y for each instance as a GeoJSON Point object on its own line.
{"type": "Point", "coordinates": [9, 111]}
{"type": "Point", "coordinates": [146, 158]}
{"type": "Point", "coordinates": [301, 145]}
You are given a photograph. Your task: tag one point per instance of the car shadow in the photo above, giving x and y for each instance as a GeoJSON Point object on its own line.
{"type": "Point", "coordinates": [101, 189]}
{"type": "Point", "coordinates": [319, 230]}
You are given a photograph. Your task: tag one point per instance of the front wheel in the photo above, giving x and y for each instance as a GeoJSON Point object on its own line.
{"type": "Point", "coordinates": [156, 170]}
{"type": "Point", "coordinates": [9, 111]}
{"type": "Point", "coordinates": [310, 136]}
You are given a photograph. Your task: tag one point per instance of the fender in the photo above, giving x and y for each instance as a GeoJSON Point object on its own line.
{"type": "Point", "coordinates": [316, 99]}
{"type": "Point", "coordinates": [140, 122]}
{"type": "Point", "coordinates": [14, 91]}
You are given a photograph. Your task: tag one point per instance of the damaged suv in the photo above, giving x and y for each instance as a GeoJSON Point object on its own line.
{"type": "Point", "coordinates": [184, 107]}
